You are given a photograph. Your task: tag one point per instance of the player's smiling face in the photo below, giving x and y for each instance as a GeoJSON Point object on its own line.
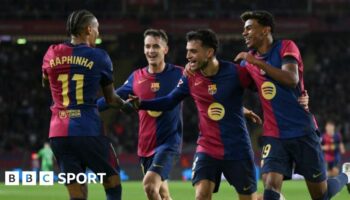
{"type": "Point", "coordinates": [155, 49]}
{"type": "Point", "coordinates": [197, 55]}
{"type": "Point", "coordinates": [253, 34]}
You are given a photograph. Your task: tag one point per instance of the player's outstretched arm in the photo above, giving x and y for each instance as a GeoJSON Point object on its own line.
{"type": "Point", "coordinates": [111, 98]}
{"type": "Point", "coordinates": [287, 76]}
{"type": "Point", "coordinates": [249, 114]}
{"type": "Point", "coordinates": [167, 102]}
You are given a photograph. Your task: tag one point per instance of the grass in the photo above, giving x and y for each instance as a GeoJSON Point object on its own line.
{"type": "Point", "coordinates": [133, 191]}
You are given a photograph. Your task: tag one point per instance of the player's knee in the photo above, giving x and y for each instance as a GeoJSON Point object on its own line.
{"type": "Point", "coordinates": [150, 189]}
{"type": "Point", "coordinates": [203, 195]}
{"type": "Point", "coordinates": [272, 184]}
{"type": "Point", "coordinates": [77, 191]}
{"type": "Point", "coordinates": [111, 182]}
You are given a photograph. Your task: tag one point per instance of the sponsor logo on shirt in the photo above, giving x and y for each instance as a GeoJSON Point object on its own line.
{"type": "Point", "coordinates": [154, 113]}
{"type": "Point", "coordinates": [216, 111]}
{"type": "Point", "coordinates": [69, 114]}
{"type": "Point", "coordinates": [268, 90]}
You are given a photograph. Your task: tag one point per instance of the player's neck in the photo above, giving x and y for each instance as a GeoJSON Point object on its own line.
{"type": "Point", "coordinates": [153, 69]}
{"type": "Point", "coordinates": [212, 68]}
{"type": "Point", "coordinates": [78, 40]}
{"type": "Point", "coordinates": [266, 45]}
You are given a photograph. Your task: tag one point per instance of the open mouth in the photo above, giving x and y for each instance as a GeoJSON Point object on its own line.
{"type": "Point", "coordinates": [192, 63]}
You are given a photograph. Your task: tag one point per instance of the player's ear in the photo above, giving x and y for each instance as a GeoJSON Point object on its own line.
{"type": "Point", "coordinates": [88, 30]}
{"type": "Point", "coordinates": [166, 49]}
{"type": "Point", "coordinates": [210, 52]}
{"type": "Point", "coordinates": [266, 30]}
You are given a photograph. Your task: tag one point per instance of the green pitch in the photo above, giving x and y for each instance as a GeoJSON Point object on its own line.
{"type": "Point", "coordinates": [133, 191]}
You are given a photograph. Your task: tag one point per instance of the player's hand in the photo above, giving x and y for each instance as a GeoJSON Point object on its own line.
{"type": "Point", "coordinates": [304, 100]}
{"type": "Point", "coordinates": [247, 57]}
{"type": "Point", "coordinates": [252, 116]}
{"type": "Point", "coordinates": [134, 101]}
{"type": "Point", "coordinates": [127, 107]}
{"type": "Point", "coordinates": [188, 72]}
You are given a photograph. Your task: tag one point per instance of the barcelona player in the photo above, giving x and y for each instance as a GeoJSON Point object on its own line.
{"type": "Point", "coordinates": [160, 133]}
{"type": "Point", "coordinates": [223, 144]}
{"type": "Point", "coordinates": [333, 147]}
{"type": "Point", "coordinates": [291, 135]}
{"type": "Point", "coordinates": [74, 71]}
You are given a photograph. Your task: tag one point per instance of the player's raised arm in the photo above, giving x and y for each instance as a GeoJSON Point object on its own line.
{"type": "Point", "coordinates": [288, 74]}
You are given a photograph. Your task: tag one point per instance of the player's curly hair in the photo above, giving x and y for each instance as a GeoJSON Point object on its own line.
{"type": "Point", "coordinates": [156, 33]}
{"type": "Point", "coordinates": [207, 36]}
{"type": "Point", "coordinates": [77, 21]}
{"type": "Point", "coordinates": [263, 17]}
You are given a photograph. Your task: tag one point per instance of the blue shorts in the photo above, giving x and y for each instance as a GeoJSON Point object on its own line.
{"type": "Point", "coordinates": [160, 163]}
{"type": "Point", "coordinates": [239, 173]}
{"type": "Point", "coordinates": [301, 154]}
{"type": "Point", "coordinates": [75, 154]}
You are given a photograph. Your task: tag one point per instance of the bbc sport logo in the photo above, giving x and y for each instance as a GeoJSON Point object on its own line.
{"type": "Point", "coordinates": [47, 178]}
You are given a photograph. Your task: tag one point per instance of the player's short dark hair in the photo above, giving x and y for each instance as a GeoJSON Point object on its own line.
{"type": "Point", "coordinates": [156, 33]}
{"type": "Point", "coordinates": [263, 18]}
{"type": "Point", "coordinates": [207, 36]}
{"type": "Point", "coordinates": [77, 21]}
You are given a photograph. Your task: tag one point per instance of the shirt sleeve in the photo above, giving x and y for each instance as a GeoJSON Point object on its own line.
{"type": "Point", "coordinates": [107, 71]}
{"type": "Point", "coordinates": [127, 88]}
{"type": "Point", "coordinates": [289, 48]}
{"type": "Point", "coordinates": [46, 63]}
{"type": "Point", "coordinates": [171, 100]}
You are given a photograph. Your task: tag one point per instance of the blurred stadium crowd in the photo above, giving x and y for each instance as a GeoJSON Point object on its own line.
{"type": "Point", "coordinates": [24, 113]}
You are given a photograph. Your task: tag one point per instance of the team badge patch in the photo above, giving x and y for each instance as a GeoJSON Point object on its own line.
{"type": "Point", "coordinates": [155, 86]}
{"type": "Point", "coordinates": [216, 111]}
{"type": "Point", "coordinates": [154, 113]}
{"type": "Point", "coordinates": [268, 90]}
{"type": "Point", "coordinates": [212, 89]}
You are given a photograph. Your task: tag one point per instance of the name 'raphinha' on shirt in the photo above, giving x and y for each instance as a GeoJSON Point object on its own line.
{"type": "Point", "coordinates": [77, 60]}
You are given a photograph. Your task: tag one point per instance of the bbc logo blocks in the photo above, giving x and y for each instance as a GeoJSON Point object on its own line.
{"type": "Point", "coordinates": [29, 178]}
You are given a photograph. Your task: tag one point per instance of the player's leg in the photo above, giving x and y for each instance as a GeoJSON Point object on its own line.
{"type": "Point", "coordinates": [276, 165]}
{"type": "Point", "coordinates": [164, 191]}
{"type": "Point", "coordinates": [157, 169]}
{"type": "Point", "coordinates": [242, 176]}
{"type": "Point", "coordinates": [309, 162]}
{"type": "Point", "coordinates": [99, 155]}
{"type": "Point", "coordinates": [151, 184]}
{"type": "Point", "coordinates": [206, 176]}
{"type": "Point", "coordinates": [346, 170]}
{"type": "Point", "coordinates": [204, 189]}
{"type": "Point", "coordinates": [69, 162]}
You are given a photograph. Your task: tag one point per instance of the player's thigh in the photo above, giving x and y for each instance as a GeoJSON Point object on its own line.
{"type": "Point", "coordinates": [275, 158]}
{"type": "Point", "coordinates": [164, 190]}
{"type": "Point", "coordinates": [206, 170]}
{"type": "Point", "coordinates": [98, 154]}
{"type": "Point", "coordinates": [162, 163]}
{"type": "Point", "coordinates": [152, 180]}
{"type": "Point", "coordinates": [67, 158]}
{"type": "Point", "coordinates": [317, 190]}
{"type": "Point", "coordinates": [309, 159]}
{"type": "Point", "coordinates": [241, 174]}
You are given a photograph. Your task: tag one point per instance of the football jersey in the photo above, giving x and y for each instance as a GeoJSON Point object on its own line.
{"type": "Point", "coordinates": [223, 132]}
{"type": "Point", "coordinates": [158, 130]}
{"type": "Point", "coordinates": [75, 73]}
{"type": "Point", "coordinates": [333, 142]}
{"type": "Point", "coordinates": [284, 117]}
